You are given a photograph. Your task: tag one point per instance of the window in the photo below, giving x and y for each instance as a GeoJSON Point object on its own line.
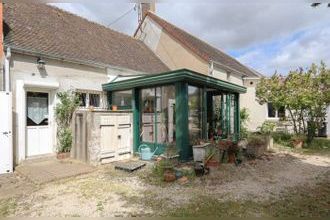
{"type": "Point", "coordinates": [88, 99]}
{"type": "Point", "coordinates": [94, 100]}
{"type": "Point", "coordinates": [82, 99]}
{"type": "Point", "coordinates": [122, 99]}
{"type": "Point", "coordinates": [158, 115]}
{"type": "Point", "coordinates": [37, 109]}
{"type": "Point", "coordinates": [195, 113]}
{"type": "Point", "coordinates": [271, 110]}
{"type": "Point", "coordinates": [273, 113]}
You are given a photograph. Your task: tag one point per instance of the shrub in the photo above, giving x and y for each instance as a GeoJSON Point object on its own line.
{"type": "Point", "coordinates": [68, 102]}
{"type": "Point", "coordinates": [282, 138]}
{"type": "Point", "coordinates": [65, 140]}
{"type": "Point", "coordinates": [257, 144]}
{"type": "Point", "coordinates": [267, 127]}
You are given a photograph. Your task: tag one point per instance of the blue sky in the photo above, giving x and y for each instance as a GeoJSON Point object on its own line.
{"type": "Point", "coordinates": [268, 35]}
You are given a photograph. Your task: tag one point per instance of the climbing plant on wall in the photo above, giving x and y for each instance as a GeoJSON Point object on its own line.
{"type": "Point", "coordinates": [68, 103]}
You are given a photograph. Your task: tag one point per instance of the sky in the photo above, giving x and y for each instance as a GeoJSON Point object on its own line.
{"type": "Point", "coordinates": [267, 35]}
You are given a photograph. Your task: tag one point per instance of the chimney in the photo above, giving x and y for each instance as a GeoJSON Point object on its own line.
{"type": "Point", "coordinates": [144, 8]}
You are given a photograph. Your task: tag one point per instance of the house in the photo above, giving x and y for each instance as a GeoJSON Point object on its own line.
{"type": "Point", "coordinates": [161, 87]}
{"type": "Point", "coordinates": [179, 49]}
{"type": "Point", "coordinates": [49, 50]}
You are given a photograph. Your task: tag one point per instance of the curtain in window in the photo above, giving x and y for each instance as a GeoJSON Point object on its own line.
{"type": "Point", "coordinates": [37, 109]}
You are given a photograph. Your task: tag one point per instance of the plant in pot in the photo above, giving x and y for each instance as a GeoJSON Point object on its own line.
{"type": "Point", "coordinates": [232, 151]}
{"type": "Point", "coordinates": [171, 153]}
{"type": "Point", "coordinates": [212, 158]}
{"type": "Point", "coordinates": [68, 103]}
{"type": "Point", "coordinates": [298, 141]}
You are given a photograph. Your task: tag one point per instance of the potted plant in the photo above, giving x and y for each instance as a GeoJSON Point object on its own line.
{"type": "Point", "coordinates": [68, 102]}
{"type": "Point", "coordinates": [114, 107]}
{"type": "Point", "coordinates": [232, 151]}
{"type": "Point", "coordinates": [298, 141]}
{"type": "Point", "coordinates": [212, 159]}
{"type": "Point", "coordinates": [171, 154]}
{"type": "Point", "coordinates": [168, 170]}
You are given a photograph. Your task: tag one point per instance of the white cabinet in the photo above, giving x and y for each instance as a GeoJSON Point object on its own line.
{"type": "Point", "coordinates": [116, 137]}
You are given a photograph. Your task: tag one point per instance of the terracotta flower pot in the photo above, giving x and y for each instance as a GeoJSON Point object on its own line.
{"type": "Point", "coordinates": [231, 158]}
{"type": "Point", "coordinates": [298, 144]}
{"type": "Point", "coordinates": [212, 163]}
{"type": "Point", "coordinates": [114, 108]}
{"type": "Point", "coordinates": [62, 155]}
{"type": "Point", "coordinates": [169, 176]}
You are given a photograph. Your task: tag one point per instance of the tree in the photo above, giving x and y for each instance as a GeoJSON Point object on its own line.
{"type": "Point", "coordinates": [304, 94]}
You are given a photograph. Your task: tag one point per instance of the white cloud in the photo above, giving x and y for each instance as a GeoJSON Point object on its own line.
{"type": "Point", "coordinates": [311, 47]}
{"type": "Point", "coordinates": [236, 26]}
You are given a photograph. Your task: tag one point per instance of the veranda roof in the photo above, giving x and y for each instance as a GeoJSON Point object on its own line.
{"type": "Point", "coordinates": [185, 75]}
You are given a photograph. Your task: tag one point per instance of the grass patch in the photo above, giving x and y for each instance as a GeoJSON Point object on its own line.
{"type": "Point", "coordinates": [7, 207]}
{"type": "Point", "coordinates": [319, 146]}
{"type": "Point", "coordinates": [298, 202]}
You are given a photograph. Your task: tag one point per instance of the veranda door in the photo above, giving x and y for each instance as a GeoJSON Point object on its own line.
{"type": "Point", "coordinates": [37, 121]}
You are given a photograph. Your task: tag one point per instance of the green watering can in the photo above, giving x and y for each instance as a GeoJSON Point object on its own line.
{"type": "Point", "coordinates": [145, 152]}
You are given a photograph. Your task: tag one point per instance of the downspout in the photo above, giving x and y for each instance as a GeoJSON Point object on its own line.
{"type": "Point", "coordinates": [7, 70]}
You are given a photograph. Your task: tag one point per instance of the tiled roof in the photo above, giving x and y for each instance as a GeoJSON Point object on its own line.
{"type": "Point", "coordinates": [203, 49]}
{"type": "Point", "coordinates": [51, 31]}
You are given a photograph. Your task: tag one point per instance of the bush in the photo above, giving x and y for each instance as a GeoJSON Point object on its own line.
{"type": "Point", "coordinates": [318, 143]}
{"type": "Point", "coordinates": [282, 138]}
{"type": "Point", "coordinates": [267, 127]}
{"type": "Point", "coordinates": [65, 140]}
{"type": "Point", "coordinates": [68, 102]}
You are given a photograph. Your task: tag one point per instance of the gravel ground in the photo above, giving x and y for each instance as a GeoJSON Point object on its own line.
{"type": "Point", "coordinates": [108, 192]}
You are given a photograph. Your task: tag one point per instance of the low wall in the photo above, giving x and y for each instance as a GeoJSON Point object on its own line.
{"type": "Point", "coordinates": [90, 143]}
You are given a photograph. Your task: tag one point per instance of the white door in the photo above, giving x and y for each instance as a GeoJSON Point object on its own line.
{"type": "Point", "coordinates": [6, 148]}
{"type": "Point", "coordinates": [37, 124]}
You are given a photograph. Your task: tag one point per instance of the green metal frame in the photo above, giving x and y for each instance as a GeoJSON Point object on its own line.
{"type": "Point", "coordinates": [181, 120]}
{"type": "Point", "coordinates": [136, 119]}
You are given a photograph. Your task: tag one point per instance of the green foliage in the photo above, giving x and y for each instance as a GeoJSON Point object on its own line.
{"type": "Point", "coordinates": [305, 94]}
{"type": "Point", "coordinates": [65, 139]}
{"type": "Point", "coordinates": [267, 127]}
{"type": "Point", "coordinates": [160, 167]}
{"type": "Point", "coordinates": [244, 118]}
{"type": "Point", "coordinates": [282, 138]}
{"type": "Point", "coordinates": [68, 102]}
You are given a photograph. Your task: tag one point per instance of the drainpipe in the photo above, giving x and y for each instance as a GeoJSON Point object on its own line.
{"type": "Point", "coordinates": [7, 70]}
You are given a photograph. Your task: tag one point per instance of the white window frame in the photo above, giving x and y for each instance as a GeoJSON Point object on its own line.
{"type": "Point", "coordinates": [102, 94]}
{"type": "Point", "coordinates": [276, 113]}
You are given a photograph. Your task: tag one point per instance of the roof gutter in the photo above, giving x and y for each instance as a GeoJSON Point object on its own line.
{"type": "Point", "coordinates": [74, 61]}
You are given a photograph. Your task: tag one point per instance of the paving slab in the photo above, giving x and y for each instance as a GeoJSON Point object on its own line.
{"type": "Point", "coordinates": [129, 166]}
{"type": "Point", "coordinates": [43, 171]}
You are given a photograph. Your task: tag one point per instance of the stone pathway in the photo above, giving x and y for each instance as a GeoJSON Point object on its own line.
{"type": "Point", "coordinates": [43, 171]}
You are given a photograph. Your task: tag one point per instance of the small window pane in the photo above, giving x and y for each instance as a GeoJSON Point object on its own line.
{"type": "Point", "coordinates": [271, 110]}
{"type": "Point", "coordinates": [82, 99]}
{"type": "Point", "coordinates": [94, 100]}
{"type": "Point", "coordinates": [281, 112]}
{"type": "Point", "coordinates": [195, 113]}
{"type": "Point", "coordinates": [37, 109]}
{"type": "Point", "coordinates": [122, 99]}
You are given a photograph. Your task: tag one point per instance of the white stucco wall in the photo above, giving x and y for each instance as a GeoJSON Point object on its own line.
{"type": "Point", "coordinates": [257, 112]}
{"type": "Point", "coordinates": [58, 76]}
